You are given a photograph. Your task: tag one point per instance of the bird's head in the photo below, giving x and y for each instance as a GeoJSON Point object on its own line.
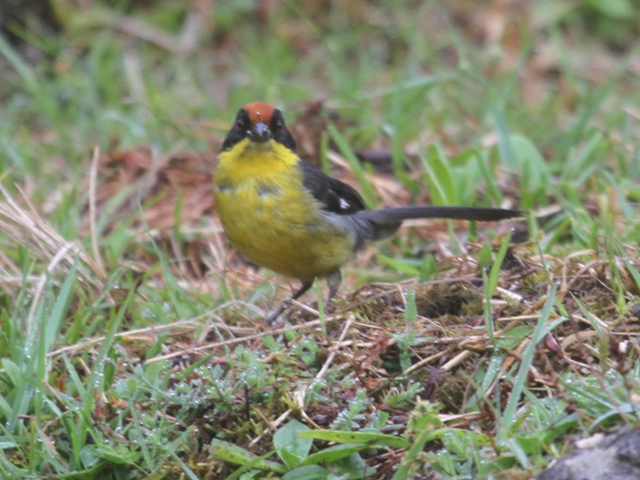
{"type": "Point", "coordinates": [260, 123]}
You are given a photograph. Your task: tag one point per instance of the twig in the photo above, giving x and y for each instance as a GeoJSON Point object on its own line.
{"type": "Point", "coordinates": [248, 338]}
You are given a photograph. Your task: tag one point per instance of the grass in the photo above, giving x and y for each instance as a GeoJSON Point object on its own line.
{"type": "Point", "coordinates": [131, 341]}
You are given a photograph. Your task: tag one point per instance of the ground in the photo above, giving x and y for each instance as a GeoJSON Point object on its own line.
{"type": "Point", "coordinates": [132, 339]}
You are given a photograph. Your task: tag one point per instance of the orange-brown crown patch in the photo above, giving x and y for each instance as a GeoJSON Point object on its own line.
{"type": "Point", "coordinates": [259, 112]}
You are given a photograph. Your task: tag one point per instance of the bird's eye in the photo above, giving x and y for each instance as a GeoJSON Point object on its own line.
{"type": "Point", "coordinates": [239, 124]}
{"type": "Point", "coordinates": [279, 126]}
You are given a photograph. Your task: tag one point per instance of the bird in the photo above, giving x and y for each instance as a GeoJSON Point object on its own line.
{"type": "Point", "coordinates": [285, 214]}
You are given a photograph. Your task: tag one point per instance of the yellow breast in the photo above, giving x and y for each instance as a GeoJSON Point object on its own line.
{"type": "Point", "coordinates": [269, 216]}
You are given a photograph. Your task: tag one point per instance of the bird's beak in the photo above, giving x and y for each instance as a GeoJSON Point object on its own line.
{"type": "Point", "coordinates": [260, 133]}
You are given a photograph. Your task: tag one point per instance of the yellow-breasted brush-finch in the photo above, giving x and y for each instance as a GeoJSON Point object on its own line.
{"type": "Point", "coordinates": [287, 215]}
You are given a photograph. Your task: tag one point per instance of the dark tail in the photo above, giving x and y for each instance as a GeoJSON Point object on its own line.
{"type": "Point", "coordinates": [482, 214]}
{"type": "Point", "coordinates": [371, 225]}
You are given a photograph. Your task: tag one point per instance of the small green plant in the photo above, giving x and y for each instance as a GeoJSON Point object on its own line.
{"type": "Point", "coordinates": [293, 443]}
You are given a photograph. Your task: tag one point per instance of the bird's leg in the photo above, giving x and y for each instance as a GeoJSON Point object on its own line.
{"type": "Point", "coordinates": [333, 280]}
{"type": "Point", "coordinates": [272, 318]}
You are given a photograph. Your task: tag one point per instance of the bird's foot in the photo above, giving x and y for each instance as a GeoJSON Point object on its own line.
{"type": "Point", "coordinates": [275, 318]}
